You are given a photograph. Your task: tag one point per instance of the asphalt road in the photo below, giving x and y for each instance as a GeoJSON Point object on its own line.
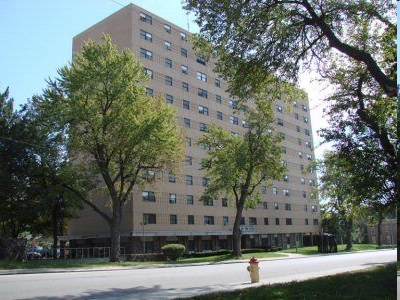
{"type": "Point", "coordinates": [180, 281]}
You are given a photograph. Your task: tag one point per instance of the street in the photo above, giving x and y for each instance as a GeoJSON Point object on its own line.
{"type": "Point", "coordinates": [180, 281]}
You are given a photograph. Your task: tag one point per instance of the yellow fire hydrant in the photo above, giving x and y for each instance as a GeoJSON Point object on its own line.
{"type": "Point", "coordinates": [254, 270]}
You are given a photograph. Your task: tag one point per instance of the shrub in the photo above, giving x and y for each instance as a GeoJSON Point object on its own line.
{"type": "Point", "coordinates": [173, 251]}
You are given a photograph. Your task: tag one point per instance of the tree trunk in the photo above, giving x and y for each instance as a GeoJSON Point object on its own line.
{"type": "Point", "coordinates": [349, 227]}
{"type": "Point", "coordinates": [379, 235]}
{"type": "Point", "coordinates": [115, 232]}
{"type": "Point", "coordinates": [237, 234]}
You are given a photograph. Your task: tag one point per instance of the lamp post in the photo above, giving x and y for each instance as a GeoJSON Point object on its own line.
{"type": "Point", "coordinates": [144, 242]}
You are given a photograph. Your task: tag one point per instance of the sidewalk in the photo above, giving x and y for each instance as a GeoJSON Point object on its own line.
{"type": "Point", "coordinates": [112, 268]}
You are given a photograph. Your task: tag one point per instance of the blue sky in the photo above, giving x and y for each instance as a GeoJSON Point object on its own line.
{"type": "Point", "coordinates": [36, 36]}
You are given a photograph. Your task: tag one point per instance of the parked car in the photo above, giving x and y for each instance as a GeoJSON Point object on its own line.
{"type": "Point", "coordinates": [34, 252]}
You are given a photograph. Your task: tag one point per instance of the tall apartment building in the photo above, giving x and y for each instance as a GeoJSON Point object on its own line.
{"type": "Point", "coordinates": [170, 206]}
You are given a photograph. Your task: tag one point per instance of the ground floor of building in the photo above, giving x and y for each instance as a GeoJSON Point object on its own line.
{"type": "Point", "coordinates": [195, 243]}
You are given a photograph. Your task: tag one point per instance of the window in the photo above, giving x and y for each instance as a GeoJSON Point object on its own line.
{"type": "Point", "coordinates": [309, 156]}
{"type": "Point", "coordinates": [167, 45]}
{"type": "Point", "coordinates": [209, 220]}
{"type": "Point", "coordinates": [208, 202]}
{"type": "Point", "coordinates": [305, 119]}
{"type": "Point", "coordinates": [189, 179]}
{"type": "Point", "coordinates": [184, 69]}
{"type": "Point", "coordinates": [234, 120]}
{"type": "Point", "coordinates": [200, 60]}
{"type": "Point", "coordinates": [202, 93]}
{"type": "Point", "coordinates": [304, 108]}
{"type": "Point", "coordinates": [304, 194]}
{"type": "Point", "coordinates": [146, 35]}
{"type": "Point", "coordinates": [203, 127]}
{"type": "Point", "coordinates": [183, 36]}
{"type": "Point", "coordinates": [295, 103]}
{"type": "Point", "coordinates": [275, 190]}
{"type": "Point", "coordinates": [149, 218]}
{"type": "Point", "coordinates": [191, 219]}
{"type": "Point", "coordinates": [148, 72]}
{"type": "Point", "coordinates": [298, 128]}
{"type": "Point", "coordinates": [305, 208]}
{"type": "Point", "coordinates": [185, 86]}
{"type": "Point", "coordinates": [296, 116]}
{"type": "Point", "coordinates": [168, 63]}
{"type": "Point", "coordinates": [185, 104]}
{"type": "Point", "coordinates": [245, 124]}
{"type": "Point", "coordinates": [288, 221]}
{"type": "Point", "coordinates": [217, 82]}
{"type": "Point", "coordinates": [252, 221]}
{"type": "Point", "coordinates": [169, 99]}
{"type": "Point", "coordinates": [149, 91]}
{"type": "Point", "coordinates": [183, 52]}
{"type": "Point", "coordinates": [314, 208]}
{"type": "Point", "coordinates": [189, 199]}
{"type": "Point", "coordinates": [225, 220]}
{"type": "Point", "coordinates": [203, 110]}
{"type": "Point", "coordinates": [288, 206]}
{"type": "Point", "coordinates": [186, 122]}
{"type": "Point", "coordinates": [264, 189]}
{"type": "Point", "coordinates": [315, 221]}
{"type": "Point", "coordinates": [205, 181]}
{"type": "Point", "coordinates": [286, 178]}
{"type": "Point", "coordinates": [149, 175]}
{"type": "Point", "coordinates": [173, 219]}
{"type": "Point", "coordinates": [218, 98]}
{"type": "Point", "coordinates": [303, 180]}
{"type": "Point", "coordinates": [286, 192]}
{"type": "Point", "coordinates": [307, 132]}
{"type": "Point", "coordinates": [266, 222]}
{"type": "Point", "coordinates": [146, 18]}
{"type": "Point", "coordinates": [206, 147]}
{"type": "Point", "coordinates": [299, 141]}
{"type": "Point", "coordinates": [188, 141]}
{"type": "Point", "coordinates": [219, 115]}
{"type": "Point", "coordinates": [188, 160]}
{"type": "Point", "coordinates": [168, 80]}
{"type": "Point", "coordinates": [242, 221]}
{"type": "Point", "coordinates": [232, 104]}
{"type": "Point", "coordinates": [167, 28]}
{"type": "Point", "coordinates": [307, 144]}
{"type": "Point", "coordinates": [301, 167]}
{"type": "Point", "coordinates": [276, 221]}
{"type": "Point", "coordinates": [284, 150]}
{"type": "Point", "coordinates": [284, 163]}
{"type": "Point", "coordinates": [224, 202]}
{"type": "Point", "coordinates": [305, 221]}
{"type": "Point", "coordinates": [300, 154]}
{"type": "Point", "coordinates": [149, 196]}
{"type": "Point", "coordinates": [171, 177]}
{"type": "Point", "coordinates": [265, 205]}
{"type": "Point", "coordinates": [280, 122]}
{"type": "Point", "coordinates": [276, 205]}
{"type": "Point", "coordinates": [278, 108]}
{"type": "Point", "coordinates": [172, 198]}
{"type": "Point", "coordinates": [201, 76]}
{"type": "Point", "coordinates": [282, 135]}
{"type": "Point", "coordinates": [146, 53]}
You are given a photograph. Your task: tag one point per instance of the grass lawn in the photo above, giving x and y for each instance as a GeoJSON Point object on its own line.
{"type": "Point", "coordinates": [341, 248]}
{"type": "Point", "coordinates": [374, 283]}
{"type": "Point", "coordinates": [35, 264]}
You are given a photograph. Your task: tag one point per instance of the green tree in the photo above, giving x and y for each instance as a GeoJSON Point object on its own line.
{"type": "Point", "coordinates": [17, 212]}
{"type": "Point", "coordinates": [257, 38]}
{"type": "Point", "coordinates": [115, 130]}
{"type": "Point", "coordinates": [237, 165]}
{"type": "Point", "coordinates": [338, 195]}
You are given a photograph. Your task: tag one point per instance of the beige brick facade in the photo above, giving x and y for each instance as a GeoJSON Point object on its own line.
{"type": "Point", "coordinates": [198, 95]}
